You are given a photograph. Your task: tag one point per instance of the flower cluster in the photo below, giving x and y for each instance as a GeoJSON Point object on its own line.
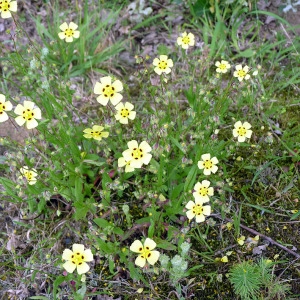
{"type": "Point", "coordinates": [109, 90]}
{"type": "Point", "coordinates": [202, 191]}
{"type": "Point", "coordinates": [241, 73]}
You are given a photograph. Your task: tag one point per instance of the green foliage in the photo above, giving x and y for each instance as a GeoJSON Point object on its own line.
{"type": "Point", "coordinates": [251, 280]}
{"type": "Point", "coordinates": [91, 52]}
{"type": "Point", "coordinates": [246, 278]}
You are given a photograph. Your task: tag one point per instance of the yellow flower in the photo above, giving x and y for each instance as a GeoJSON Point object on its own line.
{"type": "Point", "coordinates": [6, 6]}
{"type": "Point", "coordinates": [27, 114]}
{"type": "Point", "coordinates": [4, 106]}
{"type": "Point", "coordinates": [125, 112]}
{"type": "Point", "coordinates": [137, 154]}
{"type": "Point", "coordinates": [29, 174]}
{"type": "Point", "coordinates": [241, 73]}
{"type": "Point", "coordinates": [222, 67]}
{"type": "Point", "coordinates": [196, 209]}
{"type": "Point", "coordinates": [224, 259]}
{"type": "Point", "coordinates": [162, 65]}
{"type": "Point", "coordinates": [96, 133]}
{"type": "Point", "coordinates": [68, 32]}
{"type": "Point", "coordinates": [229, 225]}
{"type": "Point", "coordinates": [203, 191]}
{"type": "Point", "coordinates": [146, 252]}
{"type": "Point", "coordinates": [186, 40]}
{"type": "Point", "coordinates": [241, 240]}
{"type": "Point", "coordinates": [208, 164]}
{"type": "Point", "coordinates": [77, 259]}
{"type": "Point", "coordinates": [122, 162]}
{"type": "Point", "coordinates": [108, 91]}
{"type": "Point", "coordinates": [242, 131]}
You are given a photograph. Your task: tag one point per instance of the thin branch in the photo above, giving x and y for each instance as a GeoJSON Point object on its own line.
{"type": "Point", "coordinates": [254, 232]}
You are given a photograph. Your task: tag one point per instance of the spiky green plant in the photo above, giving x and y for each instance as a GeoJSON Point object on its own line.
{"type": "Point", "coordinates": [246, 279]}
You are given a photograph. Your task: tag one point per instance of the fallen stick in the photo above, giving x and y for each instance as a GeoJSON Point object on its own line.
{"type": "Point", "coordinates": [254, 232]}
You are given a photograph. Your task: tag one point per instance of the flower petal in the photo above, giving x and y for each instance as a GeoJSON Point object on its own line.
{"type": "Point", "coordinates": [76, 34]}
{"type": "Point", "coordinates": [63, 26]}
{"type": "Point", "coordinates": [140, 261]}
{"type": "Point", "coordinates": [238, 124]}
{"type": "Point", "coordinates": [3, 117]}
{"type": "Point", "coordinates": [67, 254]}
{"type": "Point", "coordinates": [137, 246]}
{"type": "Point", "coordinates": [205, 156]}
{"type": "Point", "coordinates": [156, 61]}
{"type": "Point", "coordinates": [30, 124]}
{"type": "Point", "coordinates": [200, 218]}
{"type": "Point", "coordinates": [13, 6]}
{"type": "Point", "coordinates": [121, 162]}
{"type": "Point", "coordinates": [5, 14]}
{"type": "Point", "coordinates": [190, 205]}
{"type": "Point", "coordinates": [205, 183]}
{"type": "Point", "coordinates": [20, 121]}
{"type": "Point", "coordinates": [8, 105]}
{"type": "Point", "coordinates": [69, 266]}
{"type": "Point", "coordinates": [83, 268]}
{"type": "Point", "coordinates": [116, 98]}
{"type": "Point", "coordinates": [69, 39]}
{"type": "Point", "coordinates": [102, 100]}
{"type": "Point", "coordinates": [247, 125]}
{"type": "Point", "coordinates": [73, 26]}
{"type": "Point", "coordinates": [163, 57]}
{"type": "Point", "coordinates": [118, 86]}
{"type": "Point", "coordinates": [190, 215]}
{"type": "Point", "coordinates": [88, 255]}
{"type": "Point", "coordinates": [28, 105]}
{"type": "Point", "coordinates": [78, 248]}
{"type": "Point", "coordinates": [145, 146]}
{"type": "Point", "coordinates": [129, 106]}
{"type": "Point", "coordinates": [149, 243]}
{"type": "Point", "coordinates": [61, 35]}
{"type": "Point", "coordinates": [214, 160]}
{"type": "Point", "coordinates": [106, 80]}
{"type": "Point", "coordinates": [19, 109]}
{"type": "Point", "coordinates": [153, 258]}
{"type": "Point", "coordinates": [37, 113]}
{"type": "Point", "coordinates": [206, 210]}
{"type": "Point", "coordinates": [132, 144]}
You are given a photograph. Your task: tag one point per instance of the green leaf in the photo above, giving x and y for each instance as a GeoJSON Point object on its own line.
{"type": "Point", "coordinates": [163, 244]}
{"type": "Point", "coordinates": [102, 223]}
{"type": "Point", "coordinates": [176, 191]}
{"type": "Point", "coordinates": [190, 179]}
{"type": "Point", "coordinates": [295, 216]}
{"type": "Point", "coordinates": [151, 228]}
{"type": "Point", "coordinates": [246, 53]}
{"type": "Point", "coordinates": [79, 189]}
{"type": "Point", "coordinates": [59, 280]}
{"type": "Point", "coordinates": [39, 298]}
{"type": "Point", "coordinates": [134, 274]}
